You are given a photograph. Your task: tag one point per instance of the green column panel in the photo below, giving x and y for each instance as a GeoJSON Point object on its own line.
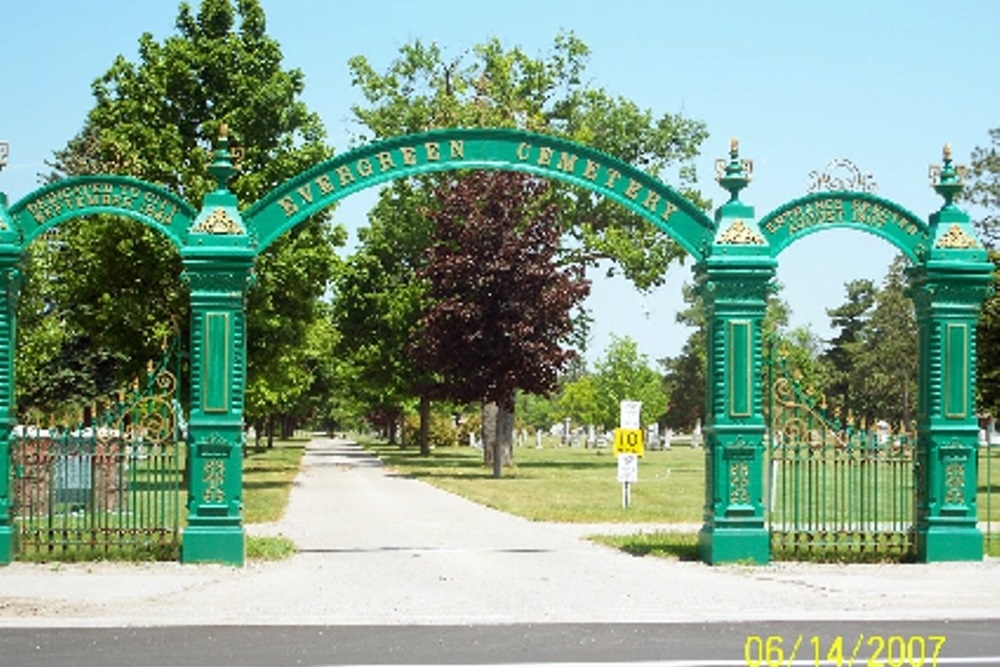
{"type": "Point", "coordinates": [215, 361]}
{"type": "Point", "coordinates": [218, 283]}
{"type": "Point", "coordinates": [956, 371]}
{"type": "Point", "coordinates": [948, 288]}
{"type": "Point", "coordinates": [9, 286]}
{"type": "Point", "coordinates": [740, 368]}
{"type": "Point", "coordinates": [734, 282]}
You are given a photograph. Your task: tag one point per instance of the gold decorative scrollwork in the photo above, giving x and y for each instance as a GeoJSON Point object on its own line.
{"type": "Point", "coordinates": [956, 238]}
{"type": "Point", "coordinates": [145, 420]}
{"type": "Point", "coordinates": [954, 482]}
{"type": "Point", "coordinates": [217, 222]}
{"type": "Point", "coordinates": [852, 179]}
{"type": "Point", "coordinates": [739, 483]}
{"type": "Point", "coordinates": [740, 234]}
{"type": "Point", "coordinates": [215, 475]}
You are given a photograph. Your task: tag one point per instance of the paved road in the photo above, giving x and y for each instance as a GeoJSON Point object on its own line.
{"type": "Point", "coordinates": [377, 549]}
{"type": "Point", "coordinates": [965, 643]}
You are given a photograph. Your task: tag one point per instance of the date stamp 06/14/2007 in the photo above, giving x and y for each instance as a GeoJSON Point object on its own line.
{"type": "Point", "coordinates": [838, 651]}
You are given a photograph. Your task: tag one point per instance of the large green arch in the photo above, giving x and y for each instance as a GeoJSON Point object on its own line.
{"type": "Point", "coordinates": [81, 196]}
{"type": "Point", "coordinates": [504, 149]}
{"type": "Point", "coordinates": [851, 210]}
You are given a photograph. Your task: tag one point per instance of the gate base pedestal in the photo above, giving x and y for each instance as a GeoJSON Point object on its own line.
{"type": "Point", "coordinates": [948, 543]}
{"type": "Point", "coordinates": [214, 544]}
{"type": "Point", "coordinates": [719, 545]}
{"type": "Point", "coordinates": [8, 545]}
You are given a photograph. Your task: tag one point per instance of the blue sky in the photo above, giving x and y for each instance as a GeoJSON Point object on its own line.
{"type": "Point", "coordinates": [883, 84]}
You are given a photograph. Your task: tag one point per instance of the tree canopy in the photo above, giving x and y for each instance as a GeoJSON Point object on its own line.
{"type": "Point", "coordinates": [116, 284]}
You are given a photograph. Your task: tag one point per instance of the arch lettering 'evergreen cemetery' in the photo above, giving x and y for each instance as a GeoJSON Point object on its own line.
{"type": "Point", "coordinates": [735, 257]}
{"type": "Point", "coordinates": [444, 150]}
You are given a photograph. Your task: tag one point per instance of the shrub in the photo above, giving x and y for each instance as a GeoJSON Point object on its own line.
{"type": "Point", "coordinates": [442, 431]}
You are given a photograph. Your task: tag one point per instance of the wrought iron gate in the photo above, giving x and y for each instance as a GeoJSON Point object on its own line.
{"type": "Point", "coordinates": [837, 488]}
{"type": "Point", "coordinates": [105, 487]}
{"type": "Point", "coordinates": [988, 488]}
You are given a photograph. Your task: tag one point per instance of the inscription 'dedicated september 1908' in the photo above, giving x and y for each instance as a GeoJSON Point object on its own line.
{"type": "Point", "coordinates": [79, 197]}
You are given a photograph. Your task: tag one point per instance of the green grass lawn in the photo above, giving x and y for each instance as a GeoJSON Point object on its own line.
{"type": "Point", "coordinates": [268, 475]}
{"type": "Point", "coordinates": [564, 484]}
{"type": "Point", "coordinates": [579, 485]}
{"type": "Point", "coordinates": [267, 479]}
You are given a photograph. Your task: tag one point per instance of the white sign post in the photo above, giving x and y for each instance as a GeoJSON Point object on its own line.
{"type": "Point", "coordinates": [628, 462]}
{"type": "Point", "coordinates": [628, 472]}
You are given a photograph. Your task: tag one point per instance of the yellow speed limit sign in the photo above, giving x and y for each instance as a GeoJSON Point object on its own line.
{"type": "Point", "coordinates": [628, 441]}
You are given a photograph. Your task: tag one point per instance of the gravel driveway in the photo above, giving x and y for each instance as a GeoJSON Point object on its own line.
{"type": "Point", "coordinates": [377, 548]}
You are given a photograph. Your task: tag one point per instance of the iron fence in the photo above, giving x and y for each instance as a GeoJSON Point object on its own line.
{"type": "Point", "coordinates": [987, 488]}
{"type": "Point", "coordinates": [838, 489]}
{"type": "Point", "coordinates": [106, 483]}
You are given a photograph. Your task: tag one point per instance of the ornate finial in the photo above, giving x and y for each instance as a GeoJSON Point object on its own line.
{"type": "Point", "coordinates": [734, 174]}
{"type": "Point", "coordinates": [222, 168]}
{"type": "Point", "coordinates": [851, 180]}
{"type": "Point", "coordinates": [946, 179]}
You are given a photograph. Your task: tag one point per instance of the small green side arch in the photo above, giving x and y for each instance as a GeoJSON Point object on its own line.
{"type": "Point", "coordinates": [81, 196]}
{"type": "Point", "coordinates": [851, 210]}
{"type": "Point", "coordinates": [480, 148]}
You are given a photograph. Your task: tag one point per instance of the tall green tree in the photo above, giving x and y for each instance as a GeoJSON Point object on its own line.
{"type": "Point", "coordinates": [625, 374]}
{"type": "Point", "coordinates": [988, 348]}
{"type": "Point", "coordinates": [983, 188]}
{"type": "Point", "coordinates": [500, 306]}
{"type": "Point", "coordinates": [156, 119]}
{"type": "Point", "coordinates": [849, 320]}
{"type": "Point", "coordinates": [495, 86]}
{"type": "Point", "coordinates": [884, 355]}
{"type": "Point", "coordinates": [983, 192]}
{"type": "Point", "coordinates": [377, 303]}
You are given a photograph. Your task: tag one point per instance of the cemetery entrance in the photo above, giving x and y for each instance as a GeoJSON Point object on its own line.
{"type": "Point", "coordinates": [735, 257]}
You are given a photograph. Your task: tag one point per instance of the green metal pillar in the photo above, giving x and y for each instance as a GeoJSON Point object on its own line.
{"type": "Point", "coordinates": [10, 280]}
{"type": "Point", "coordinates": [948, 289]}
{"type": "Point", "coordinates": [734, 282]}
{"type": "Point", "coordinates": [218, 268]}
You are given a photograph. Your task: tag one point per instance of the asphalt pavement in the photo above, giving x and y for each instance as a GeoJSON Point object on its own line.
{"type": "Point", "coordinates": [378, 549]}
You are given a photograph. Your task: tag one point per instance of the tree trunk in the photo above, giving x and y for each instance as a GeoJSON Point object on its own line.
{"type": "Point", "coordinates": [391, 427]}
{"type": "Point", "coordinates": [498, 437]}
{"type": "Point", "coordinates": [425, 426]}
{"type": "Point", "coordinates": [270, 431]}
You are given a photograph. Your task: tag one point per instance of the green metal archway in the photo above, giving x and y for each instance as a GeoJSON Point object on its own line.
{"type": "Point", "coordinates": [512, 150]}
{"type": "Point", "coordinates": [735, 256]}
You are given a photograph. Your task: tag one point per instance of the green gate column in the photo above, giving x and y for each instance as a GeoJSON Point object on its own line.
{"type": "Point", "coordinates": [948, 289]}
{"type": "Point", "coordinates": [218, 268]}
{"type": "Point", "coordinates": [734, 282]}
{"type": "Point", "coordinates": [10, 255]}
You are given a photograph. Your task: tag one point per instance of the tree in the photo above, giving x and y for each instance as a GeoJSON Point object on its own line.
{"type": "Point", "coordinates": [623, 374]}
{"type": "Point", "coordinates": [377, 302]}
{"type": "Point", "coordinates": [498, 87]}
{"type": "Point", "coordinates": [684, 375]}
{"type": "Point", "coordinates": [884, 356]}
{"type": "Point", "coordinates": [499, 306]}
{"type": "Point", "coordinates": [579, 401]}
{"type": "Point", "coordinates": [490, 86]}
{"type": "Point", "coordinates": [850, 318]}
{"type": "Point", "coordinates": [988, 348]}
{"type": "Point", "coordinates": [983, 189]}
{"type": "Point", "coordinates": [155, 120]}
